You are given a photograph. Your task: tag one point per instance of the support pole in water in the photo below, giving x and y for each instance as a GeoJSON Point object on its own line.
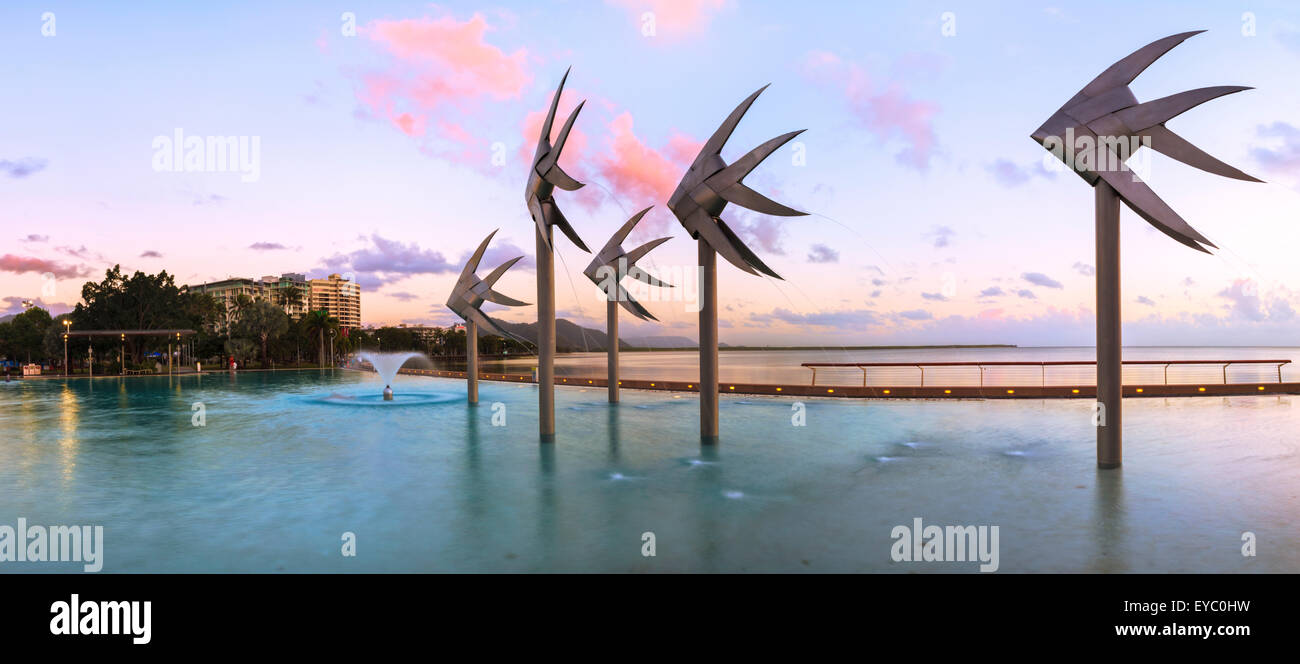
{"type": "Point", "coordinates": [466, 297]}
{"type": "Point", "coordinates": [471, 360]}
{"type": "Point", "coordinates": [708, 344]}
{"type": "Point", "coordinates": [1110, 116]}
{"type": "Point", "coordinates": [545, 336]}
{"type": "Point", "coordinates": [1109, 356]}
{"type": "Point", "coordinates": [611, 329]}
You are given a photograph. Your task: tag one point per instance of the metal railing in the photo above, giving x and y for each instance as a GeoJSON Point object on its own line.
{"type": "Point", "coordinates": [1043, 366]}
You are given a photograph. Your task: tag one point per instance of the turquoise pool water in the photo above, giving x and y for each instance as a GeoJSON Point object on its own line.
{"type": "Point", "coordinates": [287, 462]}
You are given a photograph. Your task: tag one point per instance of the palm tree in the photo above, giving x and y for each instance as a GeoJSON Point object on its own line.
{"type": "Point", "coordinates": [320, 323]}
{"type": "Point", "coordinates": [238, 306]}
{"type": "Point", "coordinates": [290, 297]}
{"type": "Point", "coordinates": [263, 321]}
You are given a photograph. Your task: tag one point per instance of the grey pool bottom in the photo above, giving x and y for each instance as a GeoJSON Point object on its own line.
{"type": "Point", "coordinates": [276, 477]}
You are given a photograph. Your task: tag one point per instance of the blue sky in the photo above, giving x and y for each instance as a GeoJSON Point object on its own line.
{"type": "Point", "coordinates": [933, 219]}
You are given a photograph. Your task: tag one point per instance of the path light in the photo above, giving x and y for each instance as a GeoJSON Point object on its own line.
{"type": "Point", "coordinates": [701, 196]}
{"type": "Point", "coordinates": [1085, 133]}
{"type": "Point", "coordinates": [467, 296]}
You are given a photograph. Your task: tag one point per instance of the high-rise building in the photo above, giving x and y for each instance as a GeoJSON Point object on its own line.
{"type": "Point", "coordinates": [340, 297]}
{"type": "Point", "coordinates": [227, 293]}
{"type": "Point", "coordinates": [291, 291]}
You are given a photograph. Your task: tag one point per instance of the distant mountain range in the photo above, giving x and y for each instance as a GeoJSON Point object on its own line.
{"type": "Point", "coordinates": [572, 338]}
{"type": "Point", "coordinates": [6, 319]}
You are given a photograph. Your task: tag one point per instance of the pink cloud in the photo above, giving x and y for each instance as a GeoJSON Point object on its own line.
{"type": "Point", "coordinates": [438, 65]}
{"type": "Point", "coordinates": [886, 111]}
{"type": "Point", "coordinates": [453, 58]}
{"type": "Point", "coordinates": [673, 18]}
{"type": "Point", "coordinates": [22, 264]}
{"type": "Point", "coordinates": [640, 173]}
{"type": "Point", "coordinates": [472, 149]}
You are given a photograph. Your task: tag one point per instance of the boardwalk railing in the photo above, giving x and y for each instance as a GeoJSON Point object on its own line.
{"type": "Point", "coordinates": [1043, 366]}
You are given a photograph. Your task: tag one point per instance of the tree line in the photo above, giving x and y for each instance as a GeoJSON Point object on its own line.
{"type": "Point", "coordinates": [252, 331]}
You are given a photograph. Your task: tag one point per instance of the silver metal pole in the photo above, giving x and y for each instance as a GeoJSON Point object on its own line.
{"type": "Point", "coordinates": [471, 360]}
{"type": "Point", "coordinates": [1109, 354]}
{"type": "Point", "coordinates": [611, 331]}
{"type": "Point", "coordinates": [708, 344]}
{"type": "Point", "coordinates": [545, 336]}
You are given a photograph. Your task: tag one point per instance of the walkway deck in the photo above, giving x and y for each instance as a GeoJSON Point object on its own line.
{"type": "Point", "coordinates": [909, 391]}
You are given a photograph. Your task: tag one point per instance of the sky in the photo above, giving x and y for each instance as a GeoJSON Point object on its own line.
{"type": "Point", "coordinates": [385, 140]}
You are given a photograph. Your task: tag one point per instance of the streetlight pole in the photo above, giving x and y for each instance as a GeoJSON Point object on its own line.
{"type": "Point", "coordinates": [121, 352]}
{"type": "Point", "coordinates": [67, 327]}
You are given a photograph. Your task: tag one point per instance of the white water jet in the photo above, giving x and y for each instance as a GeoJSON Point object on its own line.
{"type": "Point", "coordinates": [386, 365]}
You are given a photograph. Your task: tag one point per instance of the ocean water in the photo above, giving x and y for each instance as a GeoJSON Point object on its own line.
{"type": "Point", "coordinates": [288, 462]}
{"type": "Point", "coordinates": [782, 367]}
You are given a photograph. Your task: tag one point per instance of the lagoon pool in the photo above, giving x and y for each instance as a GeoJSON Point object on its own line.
{"type": "Point", "coordinates": [287, 462]}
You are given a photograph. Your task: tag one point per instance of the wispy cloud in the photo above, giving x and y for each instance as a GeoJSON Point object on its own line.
{"type": "Point", "coordinates": [23, 167]}
{"type": "Point", "coordinates": [764, 232]}
{"type": "Point", "coordinates": [941, 236]}
{"type": "Point", "coordinates": [385, 261]}
{"type": "Point", "coordinates": [1283, 156]}
{"type": "Point", "coordinates": [1011, 174]}
{"type": "Point", "coordinates": [267, 246]}
{"type": "Point", "coordinates": [671, 19]}
{"type": "Point", "coordinates": [885, 109]}
{"type": "Point", "coordinates": [856, 318]}
{"type": "Point", "coordinates": [820, 253]}
{"type": "Point", "coordinates": [501, 251]}
{"type": "Point", "coordinates": [1040, 279]}
{"type": "Point", "coordinates": [24, 264]}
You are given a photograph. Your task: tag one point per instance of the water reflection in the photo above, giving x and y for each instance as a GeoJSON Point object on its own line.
{"type": "Point", "coordinates": [69, 443]}
{"type": "Point", "coordinates": [1108, 518]}
{"type": "Point", "coordinates": [611, 428]}
{"type": "Point", "coordinates": [548, 517]}
{"type": "Point", "coordinates": [708, 476]}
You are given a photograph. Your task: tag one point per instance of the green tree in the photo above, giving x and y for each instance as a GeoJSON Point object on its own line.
{"type": "Point", "coordinates": [290, 296]}
{"type": "Point", "coordinates": [141, 302]}
{"type": "Point", "coordinates": [262, 321]}
{"type": "Point", "coordinates": [240, 349]}
{"type": "Point", "coordinates": [318, 324]}
{"type": "Point", "coordinates": [25, 334]}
